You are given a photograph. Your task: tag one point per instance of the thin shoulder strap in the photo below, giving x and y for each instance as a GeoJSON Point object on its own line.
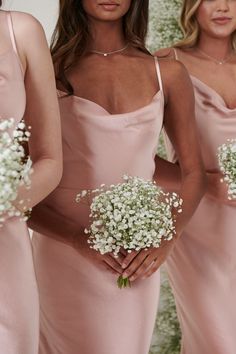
{"type": "Point", "coordinates": [158, 73]}
{"type": "Point", "coordinates": [176, 53]}
{"type": "Point", "coordinates": [13, 39]}
{"type": "Point", "coordinates": [11, 31]}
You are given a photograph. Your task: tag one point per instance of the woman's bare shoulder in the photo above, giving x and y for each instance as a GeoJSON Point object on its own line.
{"type": "Point", "coordinates": [174, 74]}
{"type": "Point", "coordinates": [26, 25]}
{"type": "Point", "coordinates": [163, 53]}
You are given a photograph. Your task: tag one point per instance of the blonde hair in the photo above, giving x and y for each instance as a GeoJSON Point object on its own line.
{"type": "Point", "coordinates": [190, 26]}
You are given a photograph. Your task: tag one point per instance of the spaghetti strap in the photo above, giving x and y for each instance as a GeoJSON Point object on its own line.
{"type": "Point", "coordinates": [11, 31]}
{"type": "Point", "coordinates": [13, 39]}
{"type": "Point", "coordinates": [158, 73]}
{"type": "Point", "coordinates": [175, 53]}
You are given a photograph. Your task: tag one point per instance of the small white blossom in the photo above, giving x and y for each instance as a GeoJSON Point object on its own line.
{"type": "Point", "coordinates": [14, 171]}
{"type": "Point", "coordinates": [132, 215]}
{"type": "Point", "coordinates": [227, 163]}
{"type": "Point", "coordinates": [164, 29]}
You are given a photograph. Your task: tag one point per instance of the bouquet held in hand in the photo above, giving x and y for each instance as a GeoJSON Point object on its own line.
{"type": "Point", "coordinates": [14, 170]}
{"type": "Point", "coordinates": [227, 162]}
{"type": "Point", "coordinates": [133, 215]}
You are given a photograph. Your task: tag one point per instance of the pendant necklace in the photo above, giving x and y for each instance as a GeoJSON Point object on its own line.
{"type": "Point", "coordinates": [219, 62]}
{"type": "Point", "coordinates": [106, 54]}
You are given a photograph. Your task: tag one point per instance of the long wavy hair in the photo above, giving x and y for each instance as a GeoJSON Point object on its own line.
{"type": "Point", "coordinates": [190, 26]}
{"type": "Point", "coordinates": [72, 35]}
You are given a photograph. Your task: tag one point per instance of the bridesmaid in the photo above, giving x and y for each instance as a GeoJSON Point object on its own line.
{"type": "Point", "coordinates": [202, 267]}
{"type": "Point", "coordinates": [114, 99]}
{"type": "Point", "coordinates": [27, 90]}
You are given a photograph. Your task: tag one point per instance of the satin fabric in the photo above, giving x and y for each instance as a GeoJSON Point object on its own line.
{"type": "Point", "coordinates": [202, 267]}
{"type": "Point", "coordinates": [19, 305]}
{"type": "Point", "coordinates": [82, 309]}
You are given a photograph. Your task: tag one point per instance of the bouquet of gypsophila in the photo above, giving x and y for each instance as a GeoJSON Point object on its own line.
{"type": "Point", "coordinates": [133, 215]}
{"type": "Point", "coordinates": [15, 170]}
{"type": "Point", "coordinates": [227, 163]}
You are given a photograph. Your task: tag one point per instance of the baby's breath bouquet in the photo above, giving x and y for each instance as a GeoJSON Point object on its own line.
{"type": "Point", "coordinates": [133, 215]}
{"type": "Point", "coordinates": [227, 162]}
{"type": "Point", "coordinates": [15, 170]}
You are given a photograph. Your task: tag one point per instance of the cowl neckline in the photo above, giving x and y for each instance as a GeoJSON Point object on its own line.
{"type": "Point", "coordinates": [212, 94]}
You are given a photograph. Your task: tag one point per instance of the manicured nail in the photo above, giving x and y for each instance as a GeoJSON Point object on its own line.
{"type": "Point", "coordinates": [123, 266]}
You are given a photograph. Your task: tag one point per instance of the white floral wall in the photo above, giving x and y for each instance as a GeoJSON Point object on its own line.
{"type": "Point", "coordinates": [163, 32]}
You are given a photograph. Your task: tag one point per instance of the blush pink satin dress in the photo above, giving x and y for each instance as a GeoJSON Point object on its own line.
{"type": "Point", "coordinates": [82, 309]}
{"type": "Point", "coordinates": [202, 267]}
{"type": "Point", "coordinates": [19, 306]}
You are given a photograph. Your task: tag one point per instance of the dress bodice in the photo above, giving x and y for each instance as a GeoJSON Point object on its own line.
{"type": "Point", "coordinates": [215, 121]}
{"type": "Point", "coordinates": [99, 147]}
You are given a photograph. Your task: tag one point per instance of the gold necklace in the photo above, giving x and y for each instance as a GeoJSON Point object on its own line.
{"type": "Point", "coordinates": [105, 54]}
{"type": "Point", "coordinates": [219, 62]}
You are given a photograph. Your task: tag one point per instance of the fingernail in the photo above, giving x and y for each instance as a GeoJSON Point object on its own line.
{"type": "Point", "coordinates": [125, 275]}
{"type": "Point", "coordinates": [131, 279]}
{"type": "Point", "coordinates": [123, 266]}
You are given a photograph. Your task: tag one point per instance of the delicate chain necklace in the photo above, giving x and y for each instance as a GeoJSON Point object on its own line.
{"type": "Point", "coordinates": [219, 62]}
{"type": "Point", "coordinates": [105, 54]}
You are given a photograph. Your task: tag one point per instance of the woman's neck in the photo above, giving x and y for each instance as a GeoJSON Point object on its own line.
{"type": "Point", "coordinates": [107, 36]}
{"type": "Point", "coordinates": [218, 48]}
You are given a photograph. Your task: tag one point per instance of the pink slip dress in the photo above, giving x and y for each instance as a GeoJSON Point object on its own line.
{"type": "Point", "coordinates": [19, 306]}
{"type": "Point", "coordinates": [202, 267]}
{"type": "Point", "coordinates": [82, 309]}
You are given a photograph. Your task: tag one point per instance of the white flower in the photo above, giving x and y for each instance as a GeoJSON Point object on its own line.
{"type": "Point", "coordinates": [13, 171]}
{"type": "Point", "coordinates": [227, 164]}
{"type": "Point", "coordinates": [131, 215]}
{"type": "Point", "coordinates": [164, 30]}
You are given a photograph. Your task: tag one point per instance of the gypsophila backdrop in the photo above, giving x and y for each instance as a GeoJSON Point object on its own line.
{"type": "Point", "coordinates": [164, 31]}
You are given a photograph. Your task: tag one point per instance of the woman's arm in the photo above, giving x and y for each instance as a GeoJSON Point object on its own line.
{"type": "Point", "coordinates": [180, 126]}
{"type": "Point", "coordinates": [49, 223]}
{"type": "Point", "coordinates": [42, 112]}
{"type": "Point", "coordinates": [46, 221]}
{"type": "Point", "coordinates": [181, 129]}
{"type": "Point", "coordinates": [167, 174]}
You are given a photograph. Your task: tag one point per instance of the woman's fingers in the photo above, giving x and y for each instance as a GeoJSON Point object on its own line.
{"type": "Point", "coordinates": [129, 258]}
{"type": "Point", "coordinates": [141, 270]}
{"type": "Point", "coordinates": [112, 264]}
{"type": "Point", "coordinates": [119, 259]}
{"type": "Point", "coordinates": [139, 261]}
{"type": "Point", "coordinates": [152, 269]}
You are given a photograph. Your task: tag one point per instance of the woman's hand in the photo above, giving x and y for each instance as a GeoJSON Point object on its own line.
{"type": "Point", "coordinates": [143, 264]}
{"type": "Point", "coordinates": [49, 223]}
{"type": "Point", "coordinates": [109, 261]}
{"type": "Point", "coordinates": [216, 189]}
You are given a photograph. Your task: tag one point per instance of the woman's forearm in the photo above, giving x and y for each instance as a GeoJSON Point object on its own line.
{"type": "Point", "coordinates": [44, 179]}
{"type": "Point", "coordinates": [46, 221]}
{"type": "Point", "coordinates": [167, 174]}
{"type": "Point", "coordinates": [189, 186]}
{"type": "Point", "coordinates": [191, 191]}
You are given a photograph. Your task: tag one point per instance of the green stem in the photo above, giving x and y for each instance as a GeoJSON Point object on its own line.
{"type": "Point", "coordinates": [123, 282]}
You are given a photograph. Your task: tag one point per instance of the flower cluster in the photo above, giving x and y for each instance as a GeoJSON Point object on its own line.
{"type": "Point", "coordinates": [227, 163]}
{"type": "Point", "coordinates": [14, 170]}
{"type": "Point", "coordinates": [132, 215]}
{"type": "Point", "coordinates": [164, 29]}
